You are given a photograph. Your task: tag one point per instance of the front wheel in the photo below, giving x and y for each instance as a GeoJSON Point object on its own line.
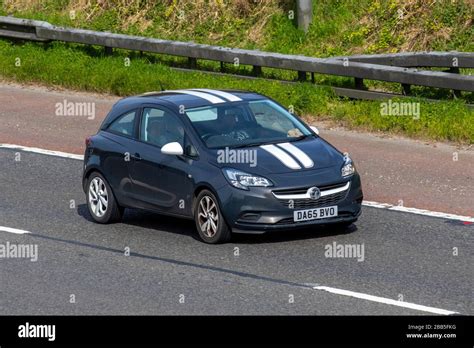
{"type": "Point", "coordinates": [101, 201]}
{"type": "Point", "coordinates": [210, 223]}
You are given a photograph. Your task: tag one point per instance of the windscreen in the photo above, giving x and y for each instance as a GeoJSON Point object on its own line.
{"type": "Point", "coordinates": [245, 124]}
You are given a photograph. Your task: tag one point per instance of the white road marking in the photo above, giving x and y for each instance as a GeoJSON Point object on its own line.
{"type": "Point", "coordinates": [418, 211]}
{"type": "Point", "coordinates": [12, 230]}
{"type": "Point", "coordinates": [384, 300]}
{"type": "Point", "coordinates": [365, 203]}
{"type": "Point", "coordinates": [42, 151]}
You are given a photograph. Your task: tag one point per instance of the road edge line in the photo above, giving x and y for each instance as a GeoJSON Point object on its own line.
{"type": "Point", "coordinates": [384, 300]}
{"type": "Point", "coordinates": [13, 230]}
{"type": "Point", "coordinates": [418, 211]}
{"type": "Point", "coordinates": [42, 151]}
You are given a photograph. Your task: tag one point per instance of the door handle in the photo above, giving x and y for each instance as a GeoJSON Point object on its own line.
{"type": "Point", "coordinates": [136, 156]}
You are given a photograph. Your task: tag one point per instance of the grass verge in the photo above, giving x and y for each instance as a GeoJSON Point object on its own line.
{"type": "Point", "coordinates": [339, 27]}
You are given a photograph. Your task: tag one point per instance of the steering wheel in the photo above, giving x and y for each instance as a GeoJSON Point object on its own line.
{"type": "Point", "coordinates": [206, 136]}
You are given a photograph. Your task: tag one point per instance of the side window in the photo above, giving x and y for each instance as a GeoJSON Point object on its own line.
{"type": "Point", "coordinates": [160, 127]}
{"type": "Point", "coordinates": [124, 124]}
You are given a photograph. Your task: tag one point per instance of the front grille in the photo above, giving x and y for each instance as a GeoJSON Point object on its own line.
{"type": "Point", "coordinates": [303, 190]}
{"type": "Point", "coordinates": [297, 199]}
{"type": "Point", "coordinates": [308, 203]}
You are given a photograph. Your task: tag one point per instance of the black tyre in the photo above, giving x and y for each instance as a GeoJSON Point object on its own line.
{"type": "Point", "coordinates": [101, 200]}
{"type": "Point", "coordinates": [210, 223]}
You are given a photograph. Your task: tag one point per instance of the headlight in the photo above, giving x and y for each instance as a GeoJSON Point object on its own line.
{"type": "Point", "coordinates": [348, 167]}
{"type": "Point", "coordinates": [244, 180]}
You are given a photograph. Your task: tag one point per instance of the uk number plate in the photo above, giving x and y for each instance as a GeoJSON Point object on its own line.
{"type": "Point", "coordinates": [315, 213]}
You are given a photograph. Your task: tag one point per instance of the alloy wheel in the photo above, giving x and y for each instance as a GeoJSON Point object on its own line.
{"type": "Point", "coordinates": [208, 216]}
{"type": "Point", "coordinates": [98, 197]}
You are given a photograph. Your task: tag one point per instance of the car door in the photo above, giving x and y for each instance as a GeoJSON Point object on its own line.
{"type": "Point", "coordinates": [119, 139]}
{"type": "Point", "coordinates": [160, 182]}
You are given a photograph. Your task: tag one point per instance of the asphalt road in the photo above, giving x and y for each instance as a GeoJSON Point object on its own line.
{"type": "Point", "coordinates": [406, 256]}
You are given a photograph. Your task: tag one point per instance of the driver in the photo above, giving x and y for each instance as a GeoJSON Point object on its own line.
{"type": "Point", "coordinates": [230, 127]}
{"type": "Point", "coordinates": [165, 130]}
{"type": "Point", "coordinates": [154, 132]}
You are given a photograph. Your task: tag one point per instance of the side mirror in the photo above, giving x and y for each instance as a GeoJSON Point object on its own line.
{"type": "Point", "coordinates": [316, 130]}
{"type": "Point", "coordinates": [173, 148]}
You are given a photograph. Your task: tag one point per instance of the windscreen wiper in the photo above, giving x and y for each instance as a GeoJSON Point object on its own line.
{"type": "Point", "coordinates": [257, 144]}
{"type": "Point", "coordinates": [246, 145]}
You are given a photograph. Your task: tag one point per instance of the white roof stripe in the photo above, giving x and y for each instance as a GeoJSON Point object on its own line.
{"type": "Point", "coordinates": [300, 155]}
{"type": "Point", "coordinates": [226, 95]}
{"type": "Point", "coordinates": [209, 97]}
{"type": "Point", "coordinates": [284, 158]}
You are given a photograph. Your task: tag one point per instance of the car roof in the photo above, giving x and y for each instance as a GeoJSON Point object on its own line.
{"type": "Point", "coordinates": [192, 98]}
{"type": "Point", "coordinates": [187, 98]}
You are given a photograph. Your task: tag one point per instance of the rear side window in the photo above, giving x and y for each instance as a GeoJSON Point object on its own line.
{"type": "Point", "coordinates": [124, 124]}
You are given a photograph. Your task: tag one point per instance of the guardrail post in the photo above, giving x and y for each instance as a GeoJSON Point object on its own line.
{"type": "Point", "coordinates": [302, 76]}
{"type": "Point", "coordinates": [359, 83]}
{"type": "Point", "coordinates": [406, 89]}
{"type": "Point", "coordinates": [257, 70]}
{"type": "Point", "coordinates": [192, 62]}
{"type": "Point", "coordinates": [456, 92]}
{"type": "Point", "coordinates": [222, 67]}
{"type": "Point", "coordinates": [108, 50]}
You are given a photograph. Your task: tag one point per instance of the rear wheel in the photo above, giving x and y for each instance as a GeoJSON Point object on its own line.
{"type": "Point", "coordinates": [101, 201]}
{"type": "Point", "coordinates": [209, 220]}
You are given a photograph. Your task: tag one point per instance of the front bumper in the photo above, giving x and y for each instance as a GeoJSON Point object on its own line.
{"type": "Point", "coordinates": [258, 210]}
